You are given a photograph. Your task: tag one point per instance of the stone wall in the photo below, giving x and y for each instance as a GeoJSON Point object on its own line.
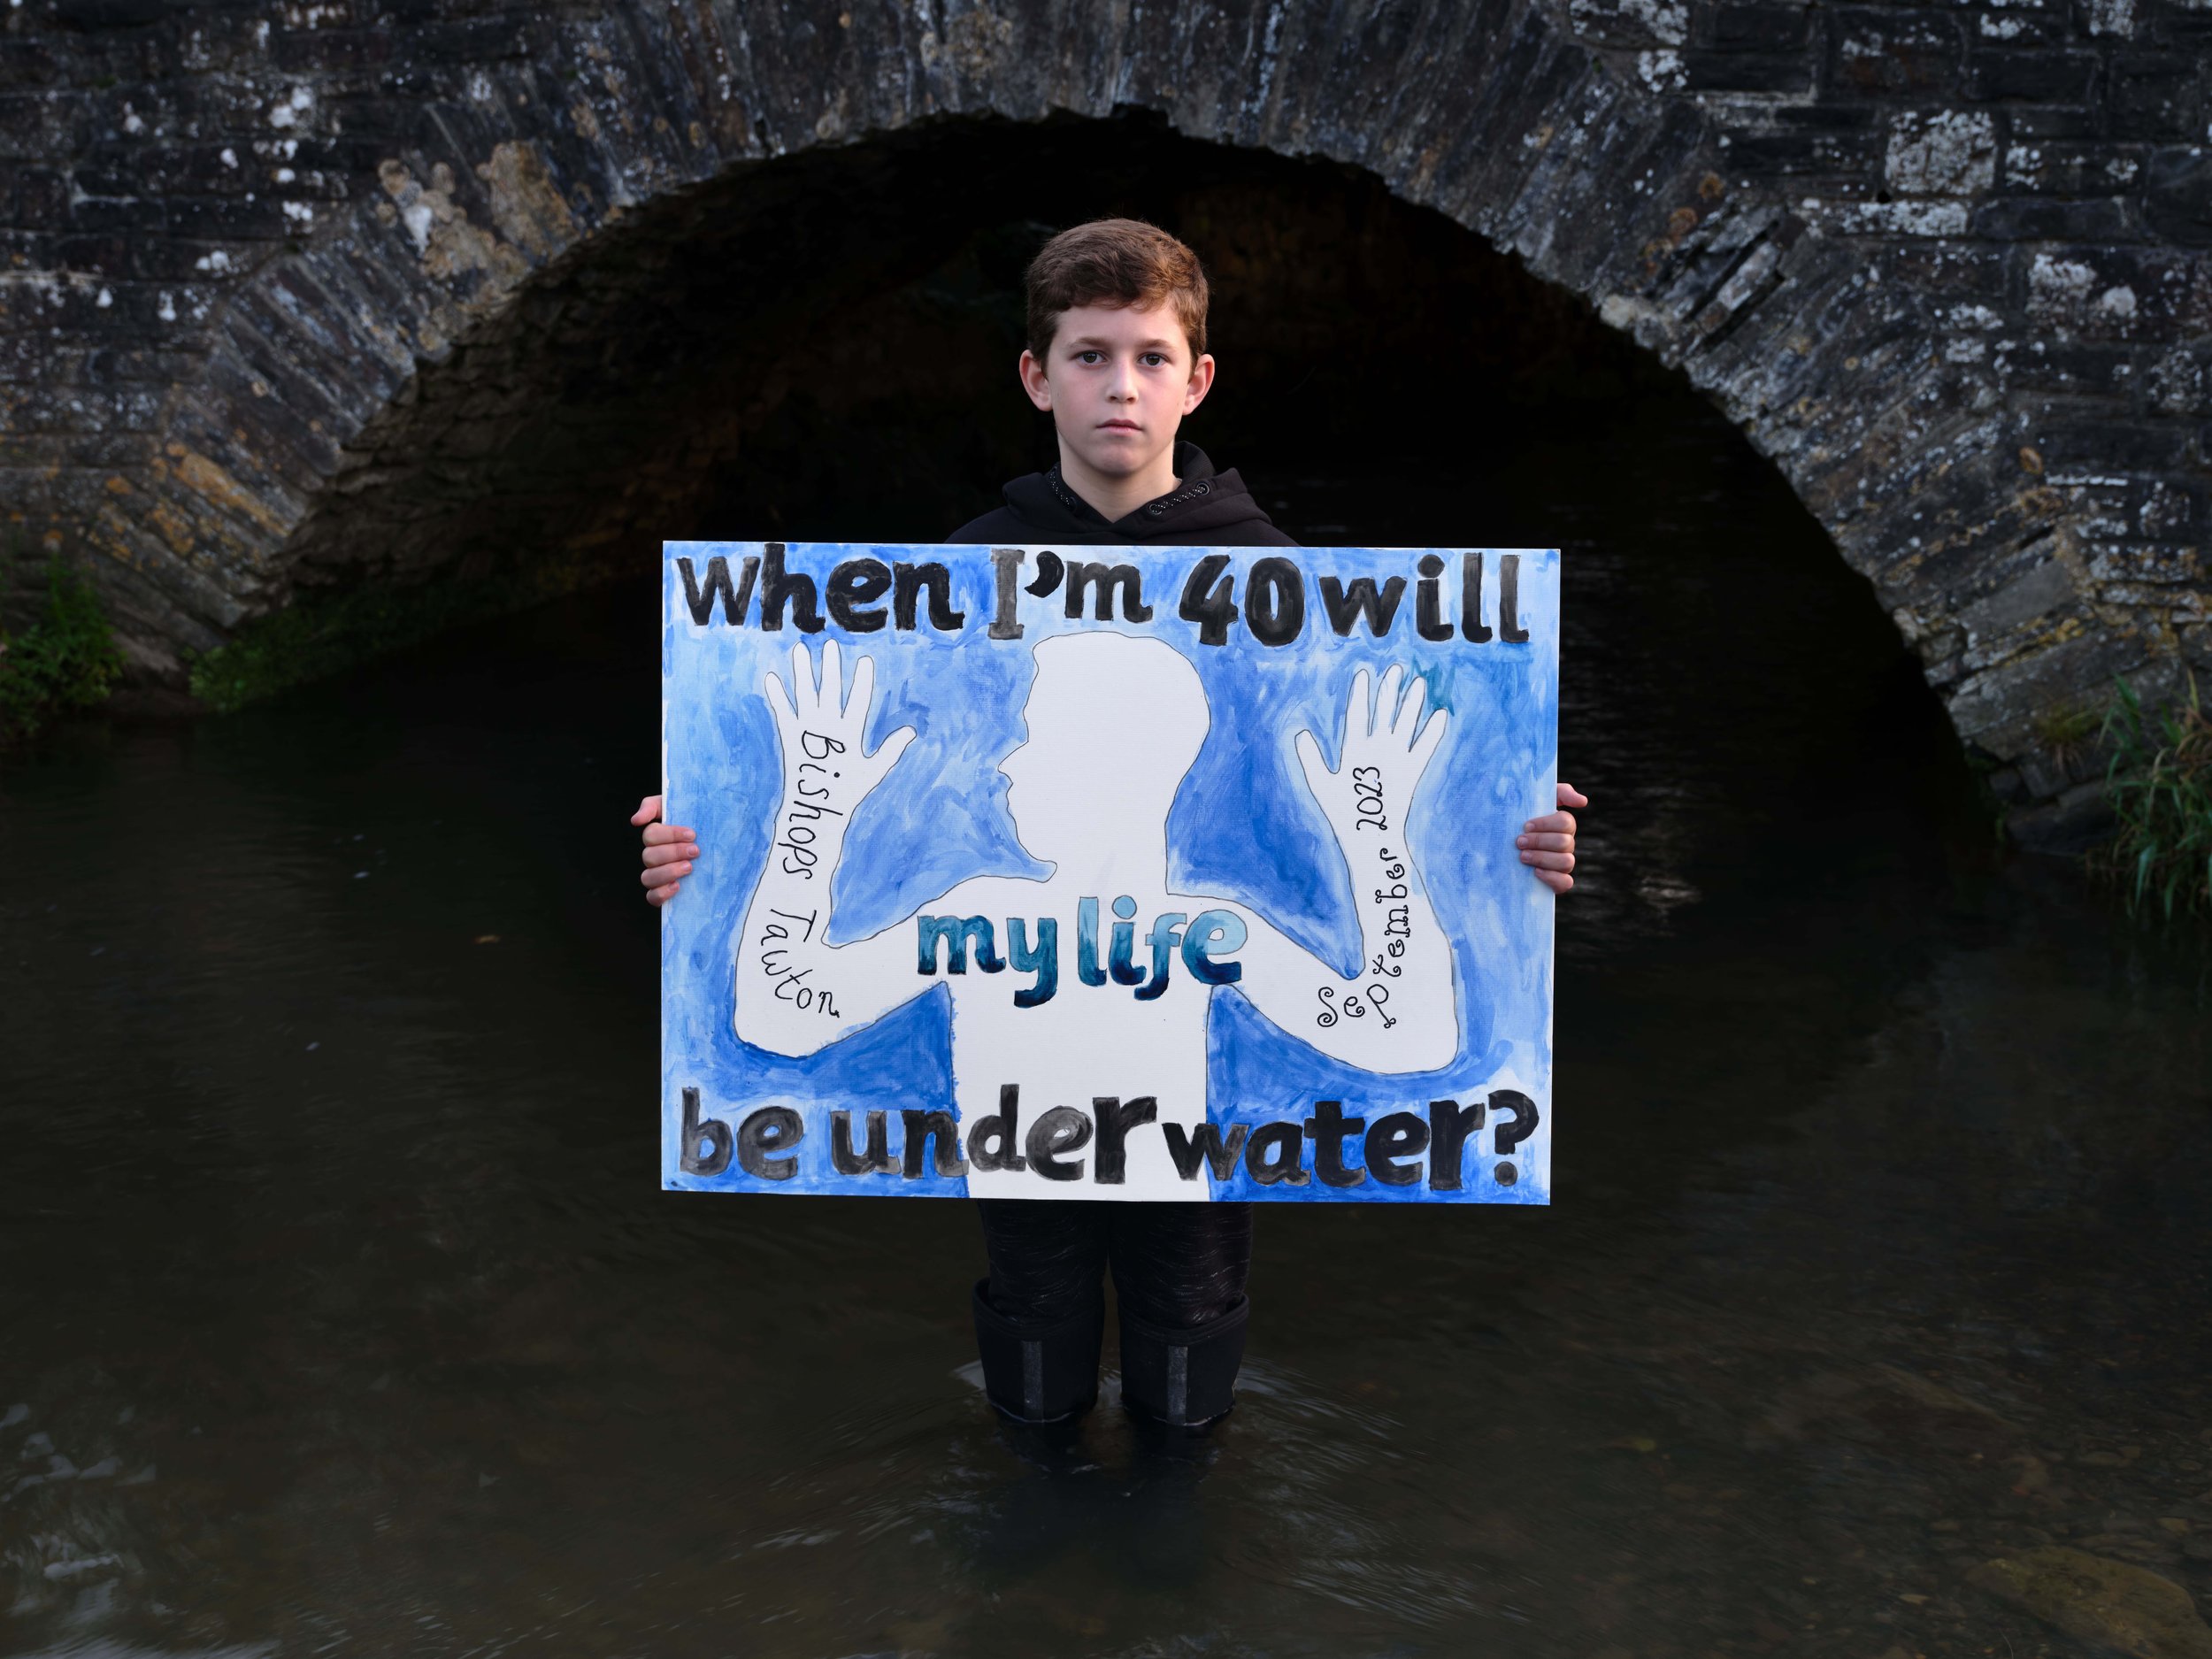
{"type": "Point", "coordinates": [1946, 265]}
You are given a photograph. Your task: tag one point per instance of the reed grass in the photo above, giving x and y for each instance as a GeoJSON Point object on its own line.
{"type": "Point", "coordinates": [2159, 784]}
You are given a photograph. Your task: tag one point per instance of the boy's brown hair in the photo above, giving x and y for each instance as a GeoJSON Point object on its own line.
{"type": "Point", "coordinates": [1116, 262]}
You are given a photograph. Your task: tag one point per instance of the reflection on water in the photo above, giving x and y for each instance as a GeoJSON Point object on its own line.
{"type": "Point", "coordinates": [341, 1312]}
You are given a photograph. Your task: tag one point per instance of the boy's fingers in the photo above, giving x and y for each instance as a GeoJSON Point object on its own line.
{"type": "Point", "coordinates": [648, 810]}
{"type": "Point", "coordinates": [1545, 843]}
{"type": "Point", "coordinates": [1541, 861]}
{"type": "Point", "coordinates": [660, 895]}
{"type": "Point", "coordinates": [666, 875]}
{"type": "Point", "coordinates": [661, 834]}
{"type": "Point", "coordinates": [1556, 883]}
{"type": "Point", "coordinates": [1569, 796]}
{"type": "Point", "coordinates": [1551, 823]}
{"type": "Point", "coordinates": [682, 853]}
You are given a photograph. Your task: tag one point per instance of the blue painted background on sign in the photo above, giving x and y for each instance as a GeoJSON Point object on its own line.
{"type": "Point", "coordinates": [1244, 825]}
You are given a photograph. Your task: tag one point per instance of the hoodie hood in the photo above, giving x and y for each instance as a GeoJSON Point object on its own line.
{"type": "Point", "coordinates": [1205, 509]}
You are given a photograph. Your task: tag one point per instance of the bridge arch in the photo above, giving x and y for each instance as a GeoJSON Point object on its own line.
{"type": "Point", "coordinates": [456, 211]}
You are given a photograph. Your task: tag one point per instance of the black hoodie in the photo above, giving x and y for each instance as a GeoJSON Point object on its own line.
{"type": "Point", "coordinates": [1206, 509]}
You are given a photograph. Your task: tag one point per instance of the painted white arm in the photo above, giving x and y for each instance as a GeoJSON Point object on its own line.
{"type": "Point", "coordinates": [1398, 1014]}
{"type": "Point", "coordinates": [796, 992]}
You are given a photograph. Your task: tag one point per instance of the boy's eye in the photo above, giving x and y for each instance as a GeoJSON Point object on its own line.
{"type": "Point", "coordinates": [1090, 357]}
{"type": "Point", "coordinates": [1154, 359]}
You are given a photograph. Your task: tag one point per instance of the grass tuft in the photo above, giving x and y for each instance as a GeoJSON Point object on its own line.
{"type": "Point", "coordinates": [67, 658]}
{"type": "Point", "coordinates": [2160, 788]}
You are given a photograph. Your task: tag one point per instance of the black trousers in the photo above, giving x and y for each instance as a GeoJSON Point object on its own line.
{"type": "Point", "coordinates": [1177, 1266]}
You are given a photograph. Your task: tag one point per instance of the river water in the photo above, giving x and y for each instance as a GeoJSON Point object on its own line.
{"type": "Point", "coordinates": [340, 1311]}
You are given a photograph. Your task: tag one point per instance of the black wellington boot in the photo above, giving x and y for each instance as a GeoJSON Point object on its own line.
{"type": "Point", "coordinates": [1038, 1373]}
{"type": "Point", "coordinates": [1182, 1378]}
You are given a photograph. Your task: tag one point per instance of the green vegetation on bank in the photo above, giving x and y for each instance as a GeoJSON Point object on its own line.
{"type": "Point", "coordinates": [318, 636]}
{"type": "Point", "coordinates": [66, 658]}
{"type": "Point", "coordinates": [2160, 786]}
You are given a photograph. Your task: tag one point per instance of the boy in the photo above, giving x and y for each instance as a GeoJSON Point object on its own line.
{"type": "Point", "coordinates": [1117, 355]}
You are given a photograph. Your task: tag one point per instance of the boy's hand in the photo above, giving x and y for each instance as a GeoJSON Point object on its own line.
{"type": "Point", "coordinates": [669, 850]}
{"type": "Point", "coordinates": [1547, 843]}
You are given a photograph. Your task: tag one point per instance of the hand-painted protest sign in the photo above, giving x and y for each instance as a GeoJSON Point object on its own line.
{"type": "Point", "coordinates": [1115, 873]}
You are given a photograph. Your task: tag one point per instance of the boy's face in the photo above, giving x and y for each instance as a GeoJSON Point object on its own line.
{"type": "Point", "coordinates": [1117, 382]}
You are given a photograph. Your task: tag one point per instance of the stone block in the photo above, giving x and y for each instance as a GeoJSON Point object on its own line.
{"type": "Point", "coordinates": [1824, 116]}
{"type": "Point", "coordinates": [2033, 121]}
{"type": "Point", "coordinates": [1940, 152]}
{"type": "Point", "coordinates": [326, 52]}
{"type": "Point", "coordinates": [1758, 156]}
{"type": "Point", "coordinates": [1953, 270]}
{"type": "Point", "coordinates": [29, 64]}
{"type": "Point", "coordinates": [175, 259]}
{"type": "Point", "coordinates": [2178, 378]}
{"type": "Point", "coordinates": [2170, 509]}
{"type": "Point", "coordinates": [2103, 292]}
{"type": "Point", "coordinates": [2177, 195]}
{"type": "Point", "coordinates": [2047, 218]}
{"type": "Point", "coordinates": [2059, 166]}
{"type": "Point", "coordinates": [131, 216]}
{"type": "Point", "coordinates": [42, 127]}
{"type": "Point", "coordinates": [2075, 367]}
{"type": "Point", "coordinates": [1890, 53]}
{"type": "Point", "coordinates": [2010, 26]}
{"type": "Point", "coordinates": [1919, 217]}
{"type": "Point", "coordinates": [86, 253]}
{"type": "Point", "coordinates": [2145, 564]}
{"type": "Point", "coordinates": [229, 219]}
{"type": "Point", "coordinates": [1757, 28]}
{"type": "Point", "coordinates": [82, 408]}
{"type": "Point", "coordinates": [97, 16]}
{"type": "Point", "coordinates": [2173, 603]}
{"type": "Point", "coordinates": [2196, 647]}
{"type": "Point", "coordinates": [1711, 71]}
{"type": "Point", "coordinates": [1631, 23]}
{"type": "Point", "coordinates": [1997, 706]}
{"type": "Point", "coordinates": [41, 198]}
{"type": "Point", "coordinates": [2155, 97]}
{"type": "Point", "coordinates": [192, 169]}
{"type": "Point", "coordinates": [2038, 77]}
{"type": "Point", "coordinates": [2106, 444]}
{"type": "Point", "coordinates": [2066, 827]}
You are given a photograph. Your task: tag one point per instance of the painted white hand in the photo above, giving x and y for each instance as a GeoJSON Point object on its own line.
{"type": "Point", "coordinates": [824, 732]}
{"type": "Point", "coordinates": [1385, 748]}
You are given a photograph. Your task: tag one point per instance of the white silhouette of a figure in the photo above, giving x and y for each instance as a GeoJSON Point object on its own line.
{"type": "Point", "coordinates": [1114, 724]}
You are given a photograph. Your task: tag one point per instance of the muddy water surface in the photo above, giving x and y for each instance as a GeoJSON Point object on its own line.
{"type": "Point", "coordinates": [340, 1313]}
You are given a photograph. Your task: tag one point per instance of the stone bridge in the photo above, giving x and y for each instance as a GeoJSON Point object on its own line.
{"type": "Point", "coordinates": [332, 290]}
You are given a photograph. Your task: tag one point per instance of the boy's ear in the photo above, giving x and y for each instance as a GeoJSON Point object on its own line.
{"type": "Point", "coordinates": [1034, 380]}
{"type": "Point", "coordinates": [1202, 381]}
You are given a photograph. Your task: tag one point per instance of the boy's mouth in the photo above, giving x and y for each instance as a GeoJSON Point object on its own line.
{"type": "Point", "coordinates": [1119, 425]}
